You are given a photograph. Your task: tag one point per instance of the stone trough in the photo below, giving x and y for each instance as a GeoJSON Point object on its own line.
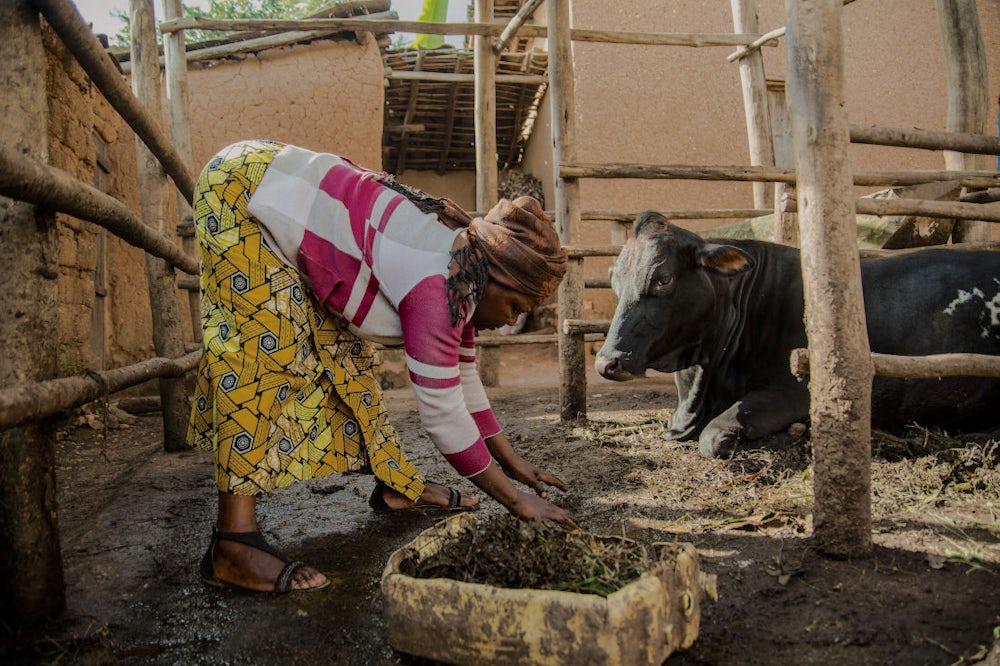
{"type": "Point", "coordinates": [470, 623]}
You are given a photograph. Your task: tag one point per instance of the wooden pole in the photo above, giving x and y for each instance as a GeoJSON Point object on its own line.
{"type": "Point", "coordinates": [25, 403]}
{"type": "Point", "coordinates": [27, 179]}
{"type": "Point", "coordinates": [167, 338]}
{"type": "Point", "coordinates": [914, 138]}
{"type": "Point", "coordinates": [754, 87]}
{"type": "Point", "coordinates": [486, 154]}
{"type": "Point", "coordinates": [31, 575]}
{"type": "Point", "coordinates": [841, 381]}
{"type": "Point", "coordinates": [476, 29]}
{"type": "Point", "coordinates": [968, 103]}
{"type": "Point", "coordinates": [933, 366]}
{"type": "Point", "coordinates": [64, 18]}
{"type": "Point", "coordinates": [572, 354]}
{"type": "Point", "coordinates": [179, 110]}
{"type": "Point", "coordinates": [522, 15]}
{"type": "Point", "coordinates": [864, 178]}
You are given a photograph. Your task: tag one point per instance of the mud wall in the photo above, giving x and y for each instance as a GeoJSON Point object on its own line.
{"type": "Point", "coordinates": [326, 96]}
{"type": "Point", "coordinates": [104, 315]}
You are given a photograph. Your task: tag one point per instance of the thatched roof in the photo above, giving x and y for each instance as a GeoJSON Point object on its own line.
{"type": "Point", "coordinates": [430, 125]}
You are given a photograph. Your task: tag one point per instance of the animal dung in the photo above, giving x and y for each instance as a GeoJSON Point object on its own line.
{"type": "Point", "coordinates": [550, 596]}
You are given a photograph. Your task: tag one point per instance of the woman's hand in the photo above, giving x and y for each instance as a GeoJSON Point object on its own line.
{"type": "Point", "coordinates": [520, 469]}
{"type": "Point", "coordinates": [495, 483]}
{"type": "Point", "coordinates": [531, 507]}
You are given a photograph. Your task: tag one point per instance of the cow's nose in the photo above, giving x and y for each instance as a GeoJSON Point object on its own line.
{"type": "Point", "coordinates": [608, 365]}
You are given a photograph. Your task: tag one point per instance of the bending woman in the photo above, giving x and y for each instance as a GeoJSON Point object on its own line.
{"type": "Point", "coordinates": [306, 260]}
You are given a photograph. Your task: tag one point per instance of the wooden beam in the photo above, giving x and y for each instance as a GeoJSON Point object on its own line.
{"type": "Point", "coordinates": [963, 142]}
{"type": "Point", "coordinates": [26, 403]}
{"type": "Point", "coordinates": [933, 366]}
{"type": "Point", "coordinates": [979, 179]}
{"type": "Point", "coordinates": [32, 585]}
{"type": "Point", "coordinates": [475, 29]}
{"type": "Point", "coordinates": [26, 179]}
{"type": "Point", "coordinates": [518, 20]}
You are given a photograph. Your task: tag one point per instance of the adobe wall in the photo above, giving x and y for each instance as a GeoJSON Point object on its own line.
{"type": "Point", "coordinates": [326, 96]}
{"type": "Point", "coordinates": [104, 314]}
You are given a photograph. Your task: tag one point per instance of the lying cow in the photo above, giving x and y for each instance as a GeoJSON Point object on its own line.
{"type": "Point", "coordinates": [724, 318]}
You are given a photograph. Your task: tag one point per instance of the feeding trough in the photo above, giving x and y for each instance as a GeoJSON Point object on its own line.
{"type": "Point", "coordinates": [458, 622]}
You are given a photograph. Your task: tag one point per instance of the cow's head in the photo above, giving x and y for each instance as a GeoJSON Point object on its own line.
{"type": "Point", "coordinates": [667, 282]}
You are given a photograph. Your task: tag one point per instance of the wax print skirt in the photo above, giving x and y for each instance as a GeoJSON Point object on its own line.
{"type": "Point", "coordinates": [284, 392]}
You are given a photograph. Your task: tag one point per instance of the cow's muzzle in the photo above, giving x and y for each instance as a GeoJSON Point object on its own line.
{"type": "Point", "coordinates": [610, 367]}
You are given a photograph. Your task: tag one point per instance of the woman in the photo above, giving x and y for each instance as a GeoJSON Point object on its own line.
{"type": "Point", "coordinates": [306, 259]}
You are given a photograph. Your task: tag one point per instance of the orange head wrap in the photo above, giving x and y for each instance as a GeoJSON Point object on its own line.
{"type": "Point", "coordinates": [522, 247]}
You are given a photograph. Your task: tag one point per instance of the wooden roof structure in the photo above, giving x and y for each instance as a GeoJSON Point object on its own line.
{"type": "Point", "coordinates": [429, 122]}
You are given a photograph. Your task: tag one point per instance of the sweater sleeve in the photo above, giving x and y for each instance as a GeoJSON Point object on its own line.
{"type": "Point", "coordinates": [472, 385]}
{"type": "Point", "coordinates": [432, 347]}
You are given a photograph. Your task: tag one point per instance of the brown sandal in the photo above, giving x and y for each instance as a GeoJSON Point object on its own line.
{"type": "Point", "coordinates": [282, 584]}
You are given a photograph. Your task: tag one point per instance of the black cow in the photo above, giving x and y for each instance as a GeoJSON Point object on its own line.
{"type": "Point", "coordinates": [724, 316]}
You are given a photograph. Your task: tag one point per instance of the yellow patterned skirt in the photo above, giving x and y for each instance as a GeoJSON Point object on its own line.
{"type": "Point", "coordinates": [284, 393]}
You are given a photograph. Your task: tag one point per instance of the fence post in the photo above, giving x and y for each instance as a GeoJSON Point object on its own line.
{"type": "Point", "coordinates": [162, 286]}
{"type": "Point", "coordinates": [31, 577]}
{"type": "Point", "coordinates": [968, 96]}
{"type": "Point", "coordinates": [572, 352]}
{"type": "Point", "coordinates": [486, 157]}
{"type": "Point", "coordinates": [840, 384]}
{"type": "Point", "coordinates": [180, 132]}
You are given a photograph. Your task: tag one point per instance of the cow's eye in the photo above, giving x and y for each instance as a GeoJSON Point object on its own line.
{"type": "Point", "coordinates": [661, 284]}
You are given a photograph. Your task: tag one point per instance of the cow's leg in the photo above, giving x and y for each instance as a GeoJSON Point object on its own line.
{"type": "Point", "coordinates": [686, 421]}
{"type": "Point", "coordinates": [758, 414]}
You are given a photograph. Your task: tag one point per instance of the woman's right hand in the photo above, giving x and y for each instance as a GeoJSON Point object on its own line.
{"type": "Point", "coordinates": [528, 507]}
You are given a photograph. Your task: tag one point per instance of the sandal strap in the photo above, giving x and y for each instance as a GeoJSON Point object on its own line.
{"type": "Point", "coordinates": [253, 539]}
{"type": "Point", "coordinates": [283, 583]}
{"type": "Point", "coordinates": [454, 498]}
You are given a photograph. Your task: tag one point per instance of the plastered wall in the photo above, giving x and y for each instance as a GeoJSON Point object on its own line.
{"type": "Point", "coordinates": [104, 315]}
{"type": "Point", "coordinates": [325, 96]}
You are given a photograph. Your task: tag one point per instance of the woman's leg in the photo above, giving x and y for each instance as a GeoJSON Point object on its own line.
{"type": "Point", "coordinates": [245, 565]}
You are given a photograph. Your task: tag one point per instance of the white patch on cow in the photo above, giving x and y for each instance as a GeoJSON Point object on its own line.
{"type": "Point", "coordinates": [990, 314]}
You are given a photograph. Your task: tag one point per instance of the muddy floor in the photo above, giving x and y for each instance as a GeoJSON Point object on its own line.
{"type": "Point", "coordinates": [135, 521]}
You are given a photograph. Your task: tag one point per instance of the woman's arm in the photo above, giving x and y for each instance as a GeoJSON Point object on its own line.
{"type": "Point", "coordinates": [525, 506]}
{"type": "Point", "coordinates": [516, 467]}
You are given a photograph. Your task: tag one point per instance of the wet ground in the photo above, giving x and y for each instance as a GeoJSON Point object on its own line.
{"type": "Point", "coordinates": [135, 521]}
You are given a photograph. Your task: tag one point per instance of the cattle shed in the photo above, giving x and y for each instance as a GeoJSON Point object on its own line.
{"type": "Point", "coordinates": [477, 112]}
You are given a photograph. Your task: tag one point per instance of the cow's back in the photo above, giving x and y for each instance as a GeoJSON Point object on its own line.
{"type": "Point", "coordinates": [934, 302]}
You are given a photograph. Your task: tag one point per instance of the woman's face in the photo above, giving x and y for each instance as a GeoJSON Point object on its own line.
{"type": "Point", "coordinates": [500, 306]}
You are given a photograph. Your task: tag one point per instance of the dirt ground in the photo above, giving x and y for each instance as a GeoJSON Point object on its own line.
{"type": "Point", "coordinates": [135, 521]}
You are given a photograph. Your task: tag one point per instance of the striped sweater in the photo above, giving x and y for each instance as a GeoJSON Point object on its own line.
{"type": "Point", "coordinates": [370, 256]}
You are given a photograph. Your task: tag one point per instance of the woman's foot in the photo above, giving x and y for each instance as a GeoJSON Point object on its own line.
{"type": "Point", "coordinates": [239, 556]}
{"type": "Point", "coordinates": [435, 495]}
{"type": "Point", "coordinates": [250, 568]}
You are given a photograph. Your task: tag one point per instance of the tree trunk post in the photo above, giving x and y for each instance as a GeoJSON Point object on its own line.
{"type": "Point", "coordinates": [562, 90]}
{"type": "Point", "coordinates": [488, 358]}
{"type": "Point", "coordinates": [179, 111]}
{"type": "Point", "coordinates": [32, 589]}
{"type": "Point", "coordinates": [754, 86]}
{"type": "Point", "coordinates": [968, 93]}
{"type": "Point", "coordinates": [167, 338]}
{"type": "Point", "coordinates": [841, 368]}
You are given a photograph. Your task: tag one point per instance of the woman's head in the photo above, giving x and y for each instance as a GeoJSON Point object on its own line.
{"type": "Point", "coordinates": [523, 251]}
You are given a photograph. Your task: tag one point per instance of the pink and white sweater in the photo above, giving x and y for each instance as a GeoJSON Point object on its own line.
{"type": "Point", "coordinates": [372, 257]}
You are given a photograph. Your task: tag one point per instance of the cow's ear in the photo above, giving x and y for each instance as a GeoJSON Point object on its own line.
{"type": "Point", "coordinates": [724, 259]}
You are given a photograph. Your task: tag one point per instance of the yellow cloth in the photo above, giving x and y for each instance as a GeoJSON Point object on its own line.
{"type": "Point", "coordinates": [283, 392]}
